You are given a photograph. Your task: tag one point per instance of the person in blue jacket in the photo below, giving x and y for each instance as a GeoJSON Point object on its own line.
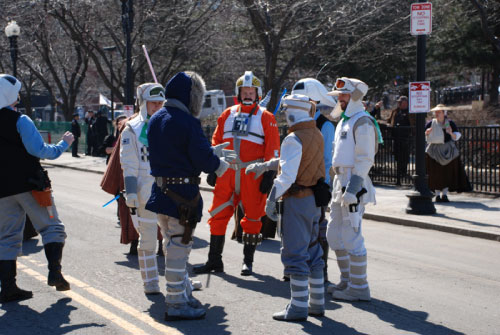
{"type": "Point", "coordinates": [26, 190]}
{"type": "Point", "coordinates": [178, 153]}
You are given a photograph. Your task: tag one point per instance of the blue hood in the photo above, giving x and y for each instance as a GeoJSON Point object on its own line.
{"type": "Point", "coordinates": [179, 87]}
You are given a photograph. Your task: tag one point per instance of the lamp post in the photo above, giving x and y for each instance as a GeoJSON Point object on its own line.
{"type": "Point", "coordinates": [128, 25]}
{"type": "Point", "coordinates": [111, 49]}
{"type": "Point", "coordinates": [12, 31]}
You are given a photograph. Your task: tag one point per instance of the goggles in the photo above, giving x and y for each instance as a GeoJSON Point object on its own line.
{"type": "Point", "coordinates": [340, 83]}
{"type": "Point", "coordinates": [157, 92]}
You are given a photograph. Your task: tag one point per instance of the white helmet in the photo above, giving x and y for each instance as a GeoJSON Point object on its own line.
{"type": "Point", "coordinates": [149, 92]}
{"type": "Point", "coordinates": [248, 80]}
{"type": "Point", "coordinates": [356, 88]}
{"type": "Point", "coordinates": [315, 90]}
{"type": "Point", "coordinates": [9, 90]}
{"type": "Point", "coordinates": [297, 108]}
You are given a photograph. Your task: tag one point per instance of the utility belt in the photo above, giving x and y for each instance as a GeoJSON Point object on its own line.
{"type": "Point", "coordinates": [187, 208]}
{"type": "Point", "coordinates": [243, 165]}
{"type": "Point", "coordinates": [321, 192]}
{"type": "Point", "coordinates": [160, 181]}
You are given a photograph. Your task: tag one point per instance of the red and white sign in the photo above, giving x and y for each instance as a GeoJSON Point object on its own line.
{"type": "Point", "coordinates": [420, 97]}
{"type": "Point", "coordinates": [421, 18]}
{"type": "Point", "coordinates": [128, 110]}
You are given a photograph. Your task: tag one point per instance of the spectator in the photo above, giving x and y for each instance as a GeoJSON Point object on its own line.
{"type": "Point", "coordinates": [401, 132]}
{"type": "Point", "coordinates": [100, 132]}
{"type": "Point", "coordinates": [110, 140]}
{"type": "Point", "coordinates": [444, 168]}
{"type": "Point", "coordinates": [75, 129]}
{"type": "Point", "coordinates": [377, 109]}
{"type": "Point", "coordinates": [90, 121]}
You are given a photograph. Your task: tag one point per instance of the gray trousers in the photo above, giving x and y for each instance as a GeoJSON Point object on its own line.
{"type": "Point", "coordinates": [300, 251]}
{"type": "Point", "coordinates": [13, 210]}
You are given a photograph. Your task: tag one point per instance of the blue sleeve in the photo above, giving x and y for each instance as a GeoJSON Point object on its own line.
{"type": "Point", "coordinates": [328, 132]}
{"type": "Point", "coordinates": [33, 141]}
{"type": "Point", "coordinates": [200, 151]}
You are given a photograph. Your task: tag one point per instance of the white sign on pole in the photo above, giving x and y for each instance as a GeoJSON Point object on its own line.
{"type": "Point", "coordinates": [420, 97]}
{"type": "Point", "coordinates": [421, 18]}
{"type": "Point", "coordinates": [128, 110]}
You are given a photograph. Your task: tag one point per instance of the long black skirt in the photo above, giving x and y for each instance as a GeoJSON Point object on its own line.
{"type": "Point", "coordinates": [451, 176]}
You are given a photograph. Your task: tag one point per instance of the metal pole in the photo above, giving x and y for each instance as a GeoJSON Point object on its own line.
{"type": "Point", "coordinates": [112, 96]}
{"type": "Point", "coordinates": [127, 24]}
{"type": "Point", "coordinates": [13, 54]}
{"type": "Point", "coordinates": [420, 199]}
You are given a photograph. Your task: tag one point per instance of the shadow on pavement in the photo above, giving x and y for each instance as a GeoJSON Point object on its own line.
{"type": "Point", "coordinates": [264, 284]}
{"type": "Point", "coordinates": [268, 245]}
{"type": "Point", "coordinates": [21, 319]}
{"type": "Point", "coordinates": [157, 308]}
{"type": "Point", "coordinates": [404, 319]}
{"type": "Point", "coordinates": [469, 205]}
{"type": "Point", "coordinates": [199, 243]}
{"type": "Point", "coordinates": [31, 246]}
{"type": "Point", "coordinates": [328, 326]}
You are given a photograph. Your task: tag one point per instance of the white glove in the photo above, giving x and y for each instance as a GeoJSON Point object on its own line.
{"type": "Point", "coordinates": [348, 199]}
{"type": "Point", "coordinates": [223, 166]}
{"type": "Point", "coordinates": [218, 149]}
{"type": "Point", "coordinates": [260, 168]}
{"type": "Point", "coordinates": [68, 137]}
{"type": "Point", "coordinates": [131, 200]}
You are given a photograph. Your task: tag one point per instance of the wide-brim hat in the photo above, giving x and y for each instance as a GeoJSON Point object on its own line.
{"type": "Point", "coordinates": [441, 107]}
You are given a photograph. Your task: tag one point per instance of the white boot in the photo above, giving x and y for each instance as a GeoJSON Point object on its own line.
{"type": "Point", "coordinates": [149, 271]}
{"type": "Point", "coordinates": [343, 263]}
{"type": "Point", "coordinates": [358, 288]}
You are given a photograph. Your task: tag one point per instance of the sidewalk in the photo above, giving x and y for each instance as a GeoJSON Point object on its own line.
{"type": "Point", "coordinates": [467, 214]}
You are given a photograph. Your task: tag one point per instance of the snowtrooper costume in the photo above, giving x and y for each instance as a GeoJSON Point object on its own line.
{"type": "Point", "coordinates": [316, 91]}
{"type": "Point", "coordinates": [353, 155]}
{"type": "Point", "coordinates": [301, 165]}
{"type": "Point", "coordinates": [134, 158]}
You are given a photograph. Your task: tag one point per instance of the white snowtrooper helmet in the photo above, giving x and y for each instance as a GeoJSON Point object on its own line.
{"type": "Point", "coordinates": [356, 88]}
{"type": "Point", "coordinates": [297, 108]}
{"type": "Point", "coordinates": [315, 90]}
{"type": "Point", "coordinates": [248, 80]}
{"type": "Point", "coordinates": [148, 92]}
{"type": "Point", "coordinates": [9, 90]}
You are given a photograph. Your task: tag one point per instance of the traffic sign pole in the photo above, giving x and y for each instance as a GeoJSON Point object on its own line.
{"type": "Point", "coordinates": [420, 198]}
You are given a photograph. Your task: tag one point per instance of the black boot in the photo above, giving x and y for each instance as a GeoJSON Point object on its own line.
{"type": "Point", "coordinates": [324, 245]}
{"type": "Point", "coordinates": [10, 291]}
{"type": "Point", "coordinates": [53, 252]}
{"type": "Point", "coordinates": [248, 252]}
{"type": "Point", "coordinates": [214, 262]}
{"type": "Point", "coordinates": [133, 248]}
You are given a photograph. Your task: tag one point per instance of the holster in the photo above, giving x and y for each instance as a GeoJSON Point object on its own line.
{"type": "Point", "coordinates": [322, 193]}
{"type": "Point", "coordinates": [354, 207]}
{"type": "Point", "coordinates": [42, 192]}
{"type": "Point", "coordinates": [188, 212]}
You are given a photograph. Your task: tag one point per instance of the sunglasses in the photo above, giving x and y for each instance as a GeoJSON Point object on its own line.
{"type": "Point", "coordinates": [157, 92]}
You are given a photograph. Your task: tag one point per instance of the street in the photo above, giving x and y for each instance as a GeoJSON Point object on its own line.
{"type": "Point", "coordinates": [422, 281]}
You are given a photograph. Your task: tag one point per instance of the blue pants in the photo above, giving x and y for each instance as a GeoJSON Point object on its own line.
{"type": "Point", "coordinates": [300, 251]}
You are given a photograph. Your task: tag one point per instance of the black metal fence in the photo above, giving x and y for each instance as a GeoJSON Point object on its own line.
{"type": "Point", "coordinates": [395, 161]}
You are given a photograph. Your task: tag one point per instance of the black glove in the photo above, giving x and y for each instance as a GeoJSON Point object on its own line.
{"type": "Point", "coordinates": [267, 182]}
{"type": "Point", "coordinates": [211, 179]}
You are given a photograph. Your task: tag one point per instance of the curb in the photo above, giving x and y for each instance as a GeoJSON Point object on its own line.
{"type": "Point", "coordinates": [368, 216]}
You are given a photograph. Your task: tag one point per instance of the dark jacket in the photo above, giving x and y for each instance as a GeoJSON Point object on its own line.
{"type": "Point", "coordinates": [177, 148]}
{"type": "Point", "coordinates": [75, 128]}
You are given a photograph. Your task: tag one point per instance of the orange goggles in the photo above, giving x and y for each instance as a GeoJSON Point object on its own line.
{"type": "Point", "coordinates": [340, 83]}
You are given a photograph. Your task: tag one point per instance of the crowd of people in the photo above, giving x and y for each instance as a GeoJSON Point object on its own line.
{"type": "Point", "coordinates": [314, 184]}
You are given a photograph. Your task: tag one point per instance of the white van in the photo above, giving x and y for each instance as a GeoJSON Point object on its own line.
{"type": "Point", "coordinates": [214, 103]}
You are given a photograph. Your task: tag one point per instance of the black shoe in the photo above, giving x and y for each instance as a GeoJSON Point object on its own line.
{"type": "Point", "coordinates": [246, 269]}
{"type": "Point", "coordinates": [77, 156]}
{"type": "Point", "coordinates": [214, 263]}
{"type": "Point", "coordinates": [445, 199]}
{"type": "Point", "coordinates": [248, 252]}
{"type": "Point", "coordinates": [286, 278]}
{"type": "Point", "coordinates": [133, 248]}
{"type": "Point", "coordinates": [438, 199]}
{"type": "Point", "coordinates": [53, 252]}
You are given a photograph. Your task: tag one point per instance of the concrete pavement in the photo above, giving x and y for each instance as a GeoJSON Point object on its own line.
{"type": "Point", "coordinates": [467, 214]}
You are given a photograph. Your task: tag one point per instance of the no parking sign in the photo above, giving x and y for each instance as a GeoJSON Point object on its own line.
{"type": "Point", "coordinates": [420, 97]}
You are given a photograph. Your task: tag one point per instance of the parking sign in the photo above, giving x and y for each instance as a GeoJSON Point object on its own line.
{"type": "Point", "coordinates": [421, 18]}
{"type": "Point", "coordinates": [420, 97]}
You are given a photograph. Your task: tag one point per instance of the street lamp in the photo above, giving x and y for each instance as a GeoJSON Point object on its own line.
{"type": "Point", "coordinates": [128, 25]}
{"type": "Point", "coordinates": [12, 31]}
{"type": "Point", "coordinates": [111, 49]}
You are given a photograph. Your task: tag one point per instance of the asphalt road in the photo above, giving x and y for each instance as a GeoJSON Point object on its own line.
{"type": "Point", "coordinates": [422, 281]}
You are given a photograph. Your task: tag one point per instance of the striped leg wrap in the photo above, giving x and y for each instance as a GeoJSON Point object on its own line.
{"type": "Point", "coordinates": [317, 293]}
{"type": "Point", "coordinates": [149, 271]}
{"type": "Point", "coordinates": [358, 272]}
{"type": "Point", "coordinates": [343, 263]}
